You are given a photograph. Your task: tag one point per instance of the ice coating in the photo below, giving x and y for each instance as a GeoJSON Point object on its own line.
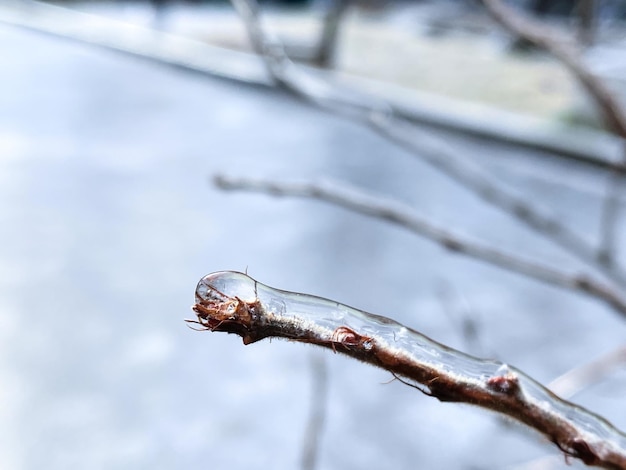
{"type": "Point", "coordinates": [232, 298]}
{"type": "Point", "coordinates": [324, 314]}
{"type": "Point", "coordinates": [229, 283]}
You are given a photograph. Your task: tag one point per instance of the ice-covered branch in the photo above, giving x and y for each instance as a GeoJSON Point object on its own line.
{"type": "Point", "coordinates": [404, 216]}
{"type": "Point", "coordinates": [235, 303]}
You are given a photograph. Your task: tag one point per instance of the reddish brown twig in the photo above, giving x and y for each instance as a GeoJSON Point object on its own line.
{"type": "Point", "coordinates": [235, 303]}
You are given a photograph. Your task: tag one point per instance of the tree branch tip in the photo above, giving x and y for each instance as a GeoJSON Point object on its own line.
{"type": "Point", "coordinates": [221, 181]}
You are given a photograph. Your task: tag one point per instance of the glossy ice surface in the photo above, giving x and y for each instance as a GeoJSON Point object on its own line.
{"type": "Point", "coordinates": [324, 318]}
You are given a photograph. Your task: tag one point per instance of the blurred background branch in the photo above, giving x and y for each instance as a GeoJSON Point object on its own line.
{"type": "Point", "coordinates": [588, 374]}
{"type": "Point", "coordinates": [384, 120]}
{"type": "Point", "coordinates": [564, 49]}
{"type": "Point", "coordinates": [377, 206]}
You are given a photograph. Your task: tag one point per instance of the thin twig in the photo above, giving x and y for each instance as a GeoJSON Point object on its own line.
{"type": "Point", "coordinates": [607, 251]}
{"type": "Point", "coordinates": [562, 48]}
{"type": "Point", "coordinates": [235, 303]}
{"type": "Point", "coordinates": [402, 215]}
{"type": "Point", "coordinates": [382, 118]}
{"type": "Point", "coordinates": [319, 396]}
{"type": "Point", "coordinates": [474, 178]}
{"type": "Point", "coordinates": [592, 372]}
{"type": "Point", "coordinates": [266, 45]}
{"type": "Point", "coordinates": [327, 46]}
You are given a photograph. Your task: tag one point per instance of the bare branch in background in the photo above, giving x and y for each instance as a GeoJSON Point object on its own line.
{"type": "Point", "coordinates": [381, 117]}
{"type": "Point", "coordinates": [402, 215]}
{"type": "Point", "coordinates": [267, 46]}
{"type": "Point", "coordinates": [235, 303]}
{"type": "Point", "coordinates": [562, 48]}
{"type": "Point", "coordinates": [327, 47]}
{"type": "Point", "coordinates": [590, 373]}
{"type": "Point", "coordinates": [319, 397]}
{"type": "Point", "coordinates": [586, 13]}
{"type": "Point", "coordinates": [607, 251]}
{"type": "Point", "coordinates": [472, 177]}
{"type": "Point", "coordinates": [613, 114]}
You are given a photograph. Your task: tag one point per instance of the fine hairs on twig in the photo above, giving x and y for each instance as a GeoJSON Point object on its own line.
{"type": "Point", "coordinates": [233, 302]}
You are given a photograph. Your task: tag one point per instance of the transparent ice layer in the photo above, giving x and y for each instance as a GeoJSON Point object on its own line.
{"type": "Point", "coordinates": [301, 314]}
